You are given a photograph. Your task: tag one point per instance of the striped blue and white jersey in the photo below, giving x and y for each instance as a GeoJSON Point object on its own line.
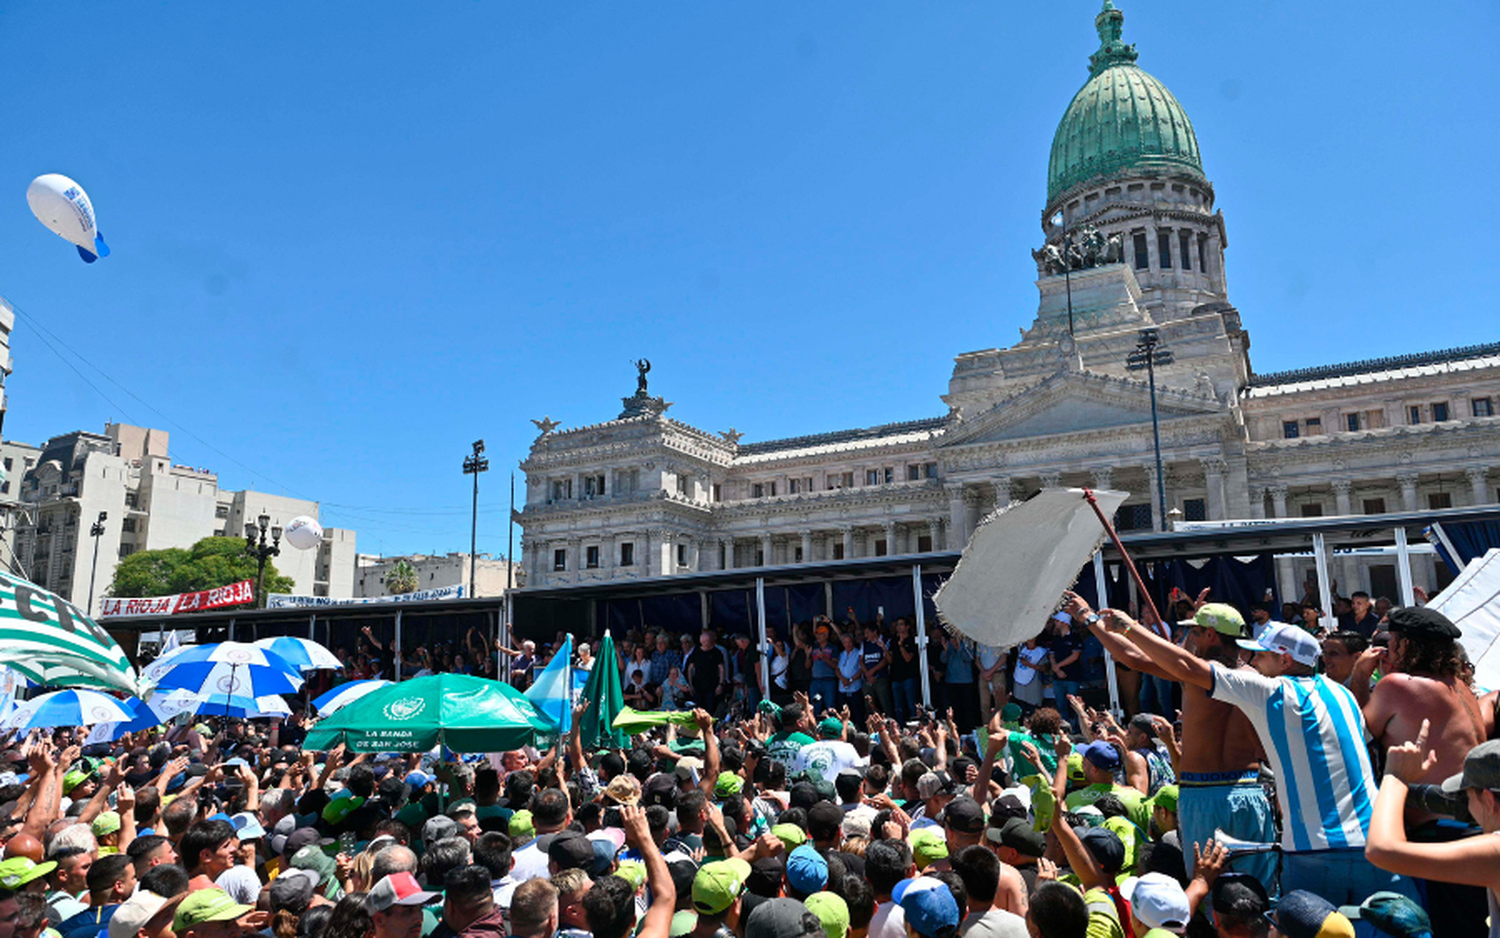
{"type": "Point", "coordinates": [1314, 734]}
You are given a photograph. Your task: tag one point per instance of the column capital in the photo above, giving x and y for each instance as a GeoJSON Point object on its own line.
{"type": "Point", "coordinates": [846, 529]}
{"type": "Point", "coordinates": [1277, 489]}
{"type": "Point", "coordinates": [1214, 466]}
{"type": "Point", "coordinates": [1405, 479]}
{"type": "Point", "coordinates": [1477, 474]}
{"type": "Point", "coordinates": [805, 532]}
{"type": "Point", "coordinates": [1342, 486]}
{"type": "Point", "coordinates": [1103, 476]}
{"type": "Point", "coordinates": [1005, 490]}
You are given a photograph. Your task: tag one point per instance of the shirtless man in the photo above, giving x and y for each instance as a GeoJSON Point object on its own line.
{"type": "Point", "coordinates": [1218, 777]}
{"type": "Point", "coordinates": [1422, 686]}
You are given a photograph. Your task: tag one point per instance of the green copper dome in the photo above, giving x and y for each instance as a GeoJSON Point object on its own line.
{"type": "Point", "coordinates": [1122, 118]}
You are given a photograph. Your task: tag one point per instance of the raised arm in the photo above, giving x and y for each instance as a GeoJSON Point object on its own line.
{"type": "Point", "coordinates": [1123, 651]}
{"type": "Point", "coordinates": [1178, 663]}
{"type": "Point", "coordinates": [657, 922]}
{"type": "Point", "coordinates": [705, 723]}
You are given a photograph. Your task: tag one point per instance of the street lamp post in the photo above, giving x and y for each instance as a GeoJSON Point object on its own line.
{"type": "Point", "coordinates": [97, 531]}
{"type": "Point", "coordinates": [256, 546]}
{"type": "Point", "coordinates": [474, 464]}
{"type": "Point", "coordinates": [1148, 354]}
{"type": "Point", "coordinates": [1067, 262]}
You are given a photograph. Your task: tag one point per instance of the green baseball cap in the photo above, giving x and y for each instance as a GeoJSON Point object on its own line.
{"type": "Point", "coordinates": [75, 778]}
{"type": "Point", "coordinates": [522, 827]}
{"type": "Point", "coordinates": [1165, 797]}
{"type": "Point", "coordinates": [207, 905]}
{"type": "Point", "coordinates": [831, 727]}
{"type": "Point", "coordinates": [1075, 767]}
{"type": "Point", "coordinates": [633, 872]}
{"type": "Point", "coordinates": [717, 885]}
{"type": "Point", "coordinates": [312, 857]}
{"type": "Point", "coordinates": [1222, 618]}
{"type": "Point", "coordinates": [18, 871]}
{"type": "Point", "coordinates": [727, 784]}
{"type": "Point", "coordinates": [108, 822]}
{"type": "Point", "coordinates": [832, 911]}
{"type": "Point", "coordinates": [790, 835]}
{"type": "Point", "coordinates": [927, 845]}
{"type": "Point", "coordinates": [1010, 713]}
{"type": "Point", "coordinates": [683, 923]}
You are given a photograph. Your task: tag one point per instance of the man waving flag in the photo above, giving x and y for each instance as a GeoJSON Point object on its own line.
{"type": "Point", "coordinates": [552, 691]}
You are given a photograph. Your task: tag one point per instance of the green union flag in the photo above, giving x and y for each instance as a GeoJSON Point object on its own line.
{"type": "Point", "coordinates": [52, 642]}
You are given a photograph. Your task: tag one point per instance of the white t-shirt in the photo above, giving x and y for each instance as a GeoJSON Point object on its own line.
{"type": "Point", "coordinates": [528, 863]}
{"type": "Point", "coordinates": [1026, 661]}
{"type": "Point", "coordinates": [889, 921]}
{"type": "Point", "coordinates": [241, 883]}
{"type": "Point", "coordinates": [994, 923]}
{"type": "Point", "coordinates": [829, 757]}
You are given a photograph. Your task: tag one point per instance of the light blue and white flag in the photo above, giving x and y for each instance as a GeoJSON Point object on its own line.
{"type": "Point", "coordinates": [552, 691]}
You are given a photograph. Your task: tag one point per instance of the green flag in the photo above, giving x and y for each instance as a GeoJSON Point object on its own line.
{"type": "Point", "coordinates": [51, 641]}
{"type": "Point", "coordinates": [606, 699]}
{"type": "Point", "coordinates": [464, 713]}
{"type": "Point", "coordinates": [635, 722]}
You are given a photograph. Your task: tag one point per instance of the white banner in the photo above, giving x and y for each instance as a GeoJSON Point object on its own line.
{"type": "Point", "coordinates": [289, 601]}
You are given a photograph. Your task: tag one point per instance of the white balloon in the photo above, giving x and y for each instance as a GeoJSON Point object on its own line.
{"type": "Point", "coordinates": [61, 204]}
{"type": "Point", "coordinates": [304, 533]}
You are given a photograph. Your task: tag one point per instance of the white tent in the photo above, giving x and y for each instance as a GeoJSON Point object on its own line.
{"type": "Point", "coordinates": [1472, 602]}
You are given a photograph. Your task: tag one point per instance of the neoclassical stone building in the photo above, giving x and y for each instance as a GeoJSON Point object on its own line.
{"type": "Point", "coordinates": [1131, 241]}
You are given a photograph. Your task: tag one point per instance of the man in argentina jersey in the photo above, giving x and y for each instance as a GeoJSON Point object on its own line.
{"type": "Point", "coordinates": [1314, 735]}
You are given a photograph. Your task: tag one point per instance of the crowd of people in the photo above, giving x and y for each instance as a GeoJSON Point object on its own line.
{"type": "Point", "coordinates": [1266, 778]}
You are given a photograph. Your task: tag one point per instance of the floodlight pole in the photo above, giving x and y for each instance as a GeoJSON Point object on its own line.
{"type": "Point", "coordinates": [97, 531]}
{"type": "Point", "coordinates": [474, 464]}
{"type": "Point", "coordinates": [1148, 354]}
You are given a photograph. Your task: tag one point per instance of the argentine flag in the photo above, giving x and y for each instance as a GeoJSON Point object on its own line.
{"type": "Point", "coordinates": [552, 691]}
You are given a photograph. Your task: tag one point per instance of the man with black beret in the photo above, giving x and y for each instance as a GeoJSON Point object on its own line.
{"type": "Point", "coordinates": [1423, 679]}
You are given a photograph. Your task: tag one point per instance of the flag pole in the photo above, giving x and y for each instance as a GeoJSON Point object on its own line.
{"type": "Point", "coordinates": [1135, 574]}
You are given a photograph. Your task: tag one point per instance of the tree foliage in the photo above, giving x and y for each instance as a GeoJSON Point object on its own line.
{"type": "Point", "coordinates": [210, 563]}
{"type": "Point", "coordinates": [402, 578]}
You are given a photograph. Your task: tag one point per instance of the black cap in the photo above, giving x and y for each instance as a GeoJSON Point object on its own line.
{"type": "Point", "coordinates": [964, 815]}
{"type": "Point", "coordinates": [662, 790]}
{"type": "Point", "coordinates": [571, 850]}
{"type": "Point", "coordinates": [765, 877]}
{"type": "Point", "coordinates": [1018, 834]}
{"type": "Point", "coordinates": [1004, 808]}
{"type": "Point", "coordinates": [783, 918]}
{"type": "Point", "coordinates": [1106, 847]}
{"type": "Point", "coordinates": [1421, 619]}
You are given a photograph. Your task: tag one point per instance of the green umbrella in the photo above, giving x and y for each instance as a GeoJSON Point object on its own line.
{"type": "Point", "coordinates": [53, 642]}
{"type": "Point", "coordinates": [466, 714]}
{"type": "Point", "coordinates": [606, 699]}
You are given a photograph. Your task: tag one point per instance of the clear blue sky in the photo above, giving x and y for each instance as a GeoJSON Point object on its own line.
{"type": "Point", "coordinates": [348, 241]}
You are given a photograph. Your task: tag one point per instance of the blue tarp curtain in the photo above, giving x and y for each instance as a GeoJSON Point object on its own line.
{"type": "Point", "coordinates": [1469, 539]}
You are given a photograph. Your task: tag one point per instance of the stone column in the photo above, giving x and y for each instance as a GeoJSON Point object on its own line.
{"type": "Point", "coordinates": [1213, 478]}
{"type": "Point", "coordinates": [848, 532]}
{"type": "Point", "coordinates": [1104, 477]}
{"type": "Point", "coordinates": [607, 556]}
{"type": "Point", "coordinates": [972, 515]}
{"type": "Point", "coordinates": [935, 533]}
{"type": "Point", "coordinates": [1005, 492]}
{"type": "Point", "coordinates": [807, 555]}
{"type": "Point", "coordinates": [726, 548]}
{"type": "Point", "coordinates": [1157, 508]}
{"type": "Point", "coordinates": [767, 546]}
{"type": "Point", "coordinates": [1237, 488]}
{"type": "Point", "coordinates": [890, 539]}
{"type": "Point", "coordinates": [1341, 489]}
{"type": "Point", "coordinates": [1257, 501]}
{"type": "Point", "coordinates": [575, 555]}
{"type": "Point", "coordinates": [1278, 500]}
{"type": "Point", "coordinates": [957, 516]}
{"type": "Point", "coordinates": [1479, 479]}
{"type": "Point", "coordinates": [1408, 483]}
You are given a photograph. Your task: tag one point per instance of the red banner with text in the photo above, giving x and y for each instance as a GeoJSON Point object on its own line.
{"type": "Point", "coordinates": [232, 595]}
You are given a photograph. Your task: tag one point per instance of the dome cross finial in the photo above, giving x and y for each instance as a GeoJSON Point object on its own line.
{"type": "Point", "coordinates": [1110, 24]}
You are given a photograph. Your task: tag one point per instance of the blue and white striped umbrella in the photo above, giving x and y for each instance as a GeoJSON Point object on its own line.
{"type": "Point", "coordinates": [67, 708]}
{"type": "Point", "coordinates": [147, 714]}
{"type": "Point", "coordinates": [345, 694]}
{"type": "Point", "coordinates": [229, 669]}
{"type": "Point", "coordinates": [246, 708]}
{"type": "Point", "coordinates": [305, 653]}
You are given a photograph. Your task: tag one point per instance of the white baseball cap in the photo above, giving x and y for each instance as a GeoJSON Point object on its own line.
{"type": "Point", "coordinates": [1159, 901]}
{"type": "Point", "coordinates": [133, 914]}
{"type": "Point", "coordinates": [1289, 639]}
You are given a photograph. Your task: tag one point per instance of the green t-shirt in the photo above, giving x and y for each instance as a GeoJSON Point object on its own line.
{"type": "Point", "coordinates": [1044, 747]}
{"type": "Point", "coordinates": [1134, 801]}
{"type": "Point", "coordinates": [1104, 918]}
{"type": "Point", "coordinates": [783, 746]}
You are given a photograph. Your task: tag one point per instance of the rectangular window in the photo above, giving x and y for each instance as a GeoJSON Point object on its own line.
{"type": "Point", "coordinates": [1203, 253]}
{"type": "Point", "coordinates": [1314, 426]}
{"type": "Point", "coordinates": [1352, 423]}
{"type": "Point", "coordinates": [682, 555]}
{"type": "Point", "coordinates": [872, 477]}
{"type": "Point", "coordinates": [1482, 407]}
{"type": "Point", "coordinates": [913, 472]}
{"type": "Point", "coordinates": [880, 548]}
{"type": "Point", "coordinates": [4, 488]}
{"type": "Point", "coordinates": [1134, 517]}
{"type": "Point", "coordinates": [718, 493]}
{"type": "Point", "coordinates": [560, 559]}
{"type": "Point", "coordinates": [1185, 248]}
{"type": "Point", "coordinates": [757, 490]}
{"type": "Point", "coordinates": [1436, 501]}
{"type": "Point", "coordinates": [1290, 430]}
{"type": "Point", "coordinates": [593, 486]}
{"type": "Point", "coordinates": [1312, 510]}
{"type": "Point", "coordinates": [627, 554]}
{"type": "Point", "coordinates": [760, 557]}
{"type": "Point", "coordinates": [682, 484]}
{"type": "Point", "coordinates": [591, 557]}
{"type": "Point", "coordinates": [797, 553]}
{"type": "Point", "coordinates": [931, 470]}
{"type": "Point", "coordinates": [890, 475]}
{"type": "Point", "coordinates": [1440, 411]}
{"type": "Point", "coordinates": [1138, 245]}
{"type": "Point", "coordinates": [1194, 509]}
{"type": "Point", "coordinates": [7, 464]}
{"type": "Point", "coordinates": [838, 551]}
{"type": "Point", "coordinates": [128, 525]}
{"type": "Point", "coordinates": [561, 489]}
{"type": "Point", "coordinates": [126, 550]}
{"type": "Point", "coordinates": [1374, 506]}
{"type": "Point", "coordinates": [131, 501]}
{"type": "Point", "coordinates": [793, 486]}
{"type": "Point", "coordinates": [924, 543]}
{"type": "Point", "coordinates": [1414, 414]}
{"type": "Point", "coordinates": [222, 511]}
{"type": "Point", "coordinates": [1164, 248]}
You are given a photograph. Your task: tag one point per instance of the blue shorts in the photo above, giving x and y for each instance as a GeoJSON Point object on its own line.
{"type": "Point", "coordinates": [1234, 803]}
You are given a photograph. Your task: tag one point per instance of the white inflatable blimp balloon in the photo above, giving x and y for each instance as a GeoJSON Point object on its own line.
{"type": "Point", "coordinates": [304, 533]}
{"type": "Point", "coordinates": [61, 204]}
